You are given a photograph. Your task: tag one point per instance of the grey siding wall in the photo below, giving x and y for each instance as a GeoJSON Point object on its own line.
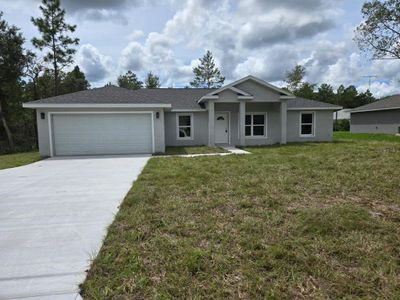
{"type": "Point", "coordinates": [43, 127]}
{"type": "Point", "coordinates": [323, 127]}
{"type": "Point", "coordinates": [273, 123]}
{"type": "Point", "coordinates": [259, 92]}
{"type": "Point", "coordinates": [200, 130]}
{"type": "Point", "coordinates": [387, 121]}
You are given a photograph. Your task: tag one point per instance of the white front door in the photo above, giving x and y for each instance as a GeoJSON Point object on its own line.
{"type": "Point", "coordinates": [221, 128]}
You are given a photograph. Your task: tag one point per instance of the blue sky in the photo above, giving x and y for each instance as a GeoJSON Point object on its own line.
{"type": "Point", "coordinates": [258, 37]}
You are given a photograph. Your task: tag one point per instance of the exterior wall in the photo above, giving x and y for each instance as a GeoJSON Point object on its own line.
{"type": "Point", "coordinates": [259, 92]}
{"type": "Point", "coordinates": [43, 126]}
{"type": "Point", "coordinates": [385, 121]}
{"type": "Point", "coordinates": [273, 123]}
{"type": "Point", "coordinates": [323, 126]}
{"type": "Point", "coordinates": [227, 96]}
{"type": "Point", "coordinates": [200, 129]}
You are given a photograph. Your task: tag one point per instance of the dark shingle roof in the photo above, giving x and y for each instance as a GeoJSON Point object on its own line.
{"type": "Point", "coordinates": [385, 103]}
{"type": "Point", "coordinates": [178, 97]}
{"type": "Point", "coordinates": [307, 103]}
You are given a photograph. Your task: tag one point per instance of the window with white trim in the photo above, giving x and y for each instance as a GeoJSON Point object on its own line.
{"type": "Point", "coordinates": [184, 126]}
{"type": "Point", "coordinates": [255, 125]}
{"type": "Point", "coordinates": [307, 121]}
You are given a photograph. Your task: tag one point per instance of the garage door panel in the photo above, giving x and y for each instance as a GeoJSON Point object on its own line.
{"type": "Point", "coordinates": [91, 134]}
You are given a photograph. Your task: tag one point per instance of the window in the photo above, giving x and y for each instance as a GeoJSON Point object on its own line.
{"type": "Point", "coordinates": [184, 126]}
{"type": "Point", "coordinates": [307, 124]}
{"type": "Point", "coordinates": [255, 125]}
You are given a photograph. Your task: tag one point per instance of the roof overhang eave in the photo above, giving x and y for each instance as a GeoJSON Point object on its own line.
{"type": "Point", "coordinates": [316, 108]}
{"type": "Point", "coordinates": [373, 109]}
{"type": "Point", "coordinates": [95, 105]}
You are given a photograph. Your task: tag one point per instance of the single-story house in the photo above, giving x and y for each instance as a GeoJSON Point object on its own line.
{"type": "Point", "coordinates": [382, 116]}
{"type": "Point", "coordinates": [114, 120]}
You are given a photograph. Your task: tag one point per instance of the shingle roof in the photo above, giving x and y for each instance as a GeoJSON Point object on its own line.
{"type": "Point", "coordinates": [385, 103]}
{"type": "Point", "coordinates": [179, 98]}
{"type": "Point", "coordinates": [307, 103]}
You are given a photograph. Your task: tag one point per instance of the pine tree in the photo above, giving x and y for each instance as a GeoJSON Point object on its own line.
{"type": "Point", "coordinates": [206, 74]}
{"type": "Point", "coordinates": [54, 37]}
{"type": "Point", "coordinates": [130, 81]}
{"type": "Point", "coordinates": [74, 81]}
{"type": "Point", "coordinates": [152, 81]}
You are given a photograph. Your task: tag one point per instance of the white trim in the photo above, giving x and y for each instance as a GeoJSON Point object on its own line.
{"type": "Point", "coordinates": [95, 105]}
{"type": "Point", "coordinates": [249, 77]}
{"type": "Point", "coordinates": [376, 109]}
{"type": "Point", "coordinates": [232, 88]}
{"type": "Point", "coordinates": [239, 91]}
{"type": "Point", "coordinates": [51, 113]}
{"type": "Point", "coordinates": [191, 127]}
{"type": "Point", "coordinates": [189, 110]}
{"type": "Point", "coordinates": [315, 108]}
{"type": "Point", "coordinates": [287, 97]}
{"type": "Point", "coordinates": [229, 124]}
{"type": "Point", "coordinates": [313, 124]}
{"type": "Point", "coordinates": [208, 97]}
{"type": "Point", "coordinates": [252, 125]}
{"type": "Point", "coordinates": [245, 97]}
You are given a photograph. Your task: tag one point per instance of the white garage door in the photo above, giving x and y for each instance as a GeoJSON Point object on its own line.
{"type": "Point", "coordinates": [96, 134]}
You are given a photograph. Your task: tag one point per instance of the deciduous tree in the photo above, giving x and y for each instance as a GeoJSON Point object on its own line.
{"type": "Point", "coordinates": [13, 59]}
{"type": "Point", "coordinates": [294, 78]}
{"type": "Point", "coordinates": [379, 33]}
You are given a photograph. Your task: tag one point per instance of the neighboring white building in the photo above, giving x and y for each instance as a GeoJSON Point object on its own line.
{"type": "Point", "coordinates": [343, 114]}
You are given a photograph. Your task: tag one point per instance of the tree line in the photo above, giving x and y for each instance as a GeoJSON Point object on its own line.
{"type": "Point", "coordinates": [347, 97]}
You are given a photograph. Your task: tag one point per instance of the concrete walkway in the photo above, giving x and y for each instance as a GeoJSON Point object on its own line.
{"type": "Point", "coordinates": [234, 150]}
{"type": "Point", "coordinates": [53, 216]}
{"type": "Point", "coordinates": [230, 149]}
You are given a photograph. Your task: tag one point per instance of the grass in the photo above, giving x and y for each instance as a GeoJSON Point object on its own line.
{"type": "Point", "coordinates": [192, 150]}
{"type": "Point", "coordinates": [18, 159]}
{"type": "Point", "coordinates": [345, 135]}
{"type": "Point", "coordinates": [311, 221]}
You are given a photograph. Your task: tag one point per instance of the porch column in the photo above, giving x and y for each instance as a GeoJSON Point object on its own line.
{"type": "Point", "coordinates": [211, 121]}
{"type": "Point", "coordinates": [242, 118]}
{"type": "Point", "coordinates": [283, 121]}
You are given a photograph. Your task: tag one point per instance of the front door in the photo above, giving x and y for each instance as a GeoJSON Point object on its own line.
{"type": "Point", "coordinates": [221, 128]}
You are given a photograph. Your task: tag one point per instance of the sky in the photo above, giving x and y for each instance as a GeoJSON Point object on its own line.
{"type": "Point", "coordinates": [264, 38]}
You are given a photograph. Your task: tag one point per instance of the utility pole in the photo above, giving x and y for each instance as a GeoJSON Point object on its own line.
{"type": "Point", "coordinates": [369, 79]}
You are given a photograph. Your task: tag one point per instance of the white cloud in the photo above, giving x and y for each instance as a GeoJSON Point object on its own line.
{"type": "Point", "coordinates": [263, 38]}
{"type": "Point", "coordinates": [97, 67]}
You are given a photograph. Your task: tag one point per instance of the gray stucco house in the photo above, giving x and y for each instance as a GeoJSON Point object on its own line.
{"type": "Point", "coordinates": [382, 116]}
{"type": "Point", "coordinates": [113, 120]}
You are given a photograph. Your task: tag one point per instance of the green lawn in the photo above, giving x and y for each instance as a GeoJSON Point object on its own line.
{"type": "Point", "coordinates": [192, 150]}
{"type": "Point", "coordinates": [18, 159]}
{"type": "Point", "coordinates": [345, 135]}
{"type": "Point", "coordinates": [314, 221]}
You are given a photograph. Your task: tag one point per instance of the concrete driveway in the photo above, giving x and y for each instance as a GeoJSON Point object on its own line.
{"type": "Point", "coordinates": [53, 216]}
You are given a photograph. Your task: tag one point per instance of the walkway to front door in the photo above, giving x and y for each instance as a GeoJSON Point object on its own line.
{"type": "Point", "coordinates": [222, 128]}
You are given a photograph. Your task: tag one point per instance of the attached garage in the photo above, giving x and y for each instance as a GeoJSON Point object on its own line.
{"type": "Point", "coordinates": [100, 133]}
